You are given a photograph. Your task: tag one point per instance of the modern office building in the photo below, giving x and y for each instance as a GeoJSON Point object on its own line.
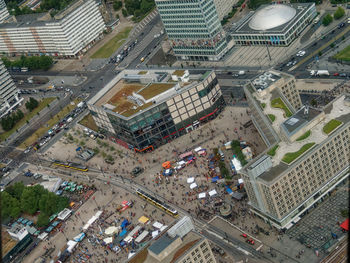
{"type": "Point", "coordinates": [145, 109]}
{"type": "Point", "coordinates": [68, 33]}
{"type": "Point", "coordinates": [275, 24]}
{"type": "Point", "coordinates": [194, 29]}
{"type": "Point", "coordinates": [180, 244]}
{"type": "Point", "coordinates": [9, 97]}
{"type": "Point", "coordinates": [307, 155]}
{"type": "Point", "coordinates": [4, 14]}
{"type": "Point", "coordinates": [223, 7]}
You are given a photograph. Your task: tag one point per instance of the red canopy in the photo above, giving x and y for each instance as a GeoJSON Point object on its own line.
{"type": "Point", "coordinates": [184, 155]}
{"type": "Point", "coordinates": [345, 225]}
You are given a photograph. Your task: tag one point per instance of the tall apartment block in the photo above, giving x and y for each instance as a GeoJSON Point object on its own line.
{"type": "Point", "coordinates": [194, 29]}
{"type": "Point", "coordinates": [223, 7]}
{"type": "Point", "coordinates": [68, 33]}
{"type": "Point", "coordinates": [145, 109]}
{"type": "Point", "coordinates": [4, 14]}
{"type": "Point", "coordinates": [9, 98]}
{"type": "Point", "coordinates": [308, 150]}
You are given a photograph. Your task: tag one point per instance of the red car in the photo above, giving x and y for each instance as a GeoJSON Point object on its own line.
{"type": "Point", "coordinates": [250, 241]}
{"type": "Point", "coordinates": [244, 235]}
{"type": "Point", "coordinates": [336, 74]}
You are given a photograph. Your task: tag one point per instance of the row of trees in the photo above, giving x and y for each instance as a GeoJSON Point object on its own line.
{"type": "Point", "coordinates": [31, 104]}
{"type": "Point", "coordinates": [45, 5]}
{"type": "Point", "coordinates": [254, 4]}
{"type": "Point", "coordinates": [8, 122]}
{"type": "Point", "coordinates": [18, 198]}
{"type": "Point", "coordinates": [327, 19]}
{"type": "Point", "coordinates": [236, 148]}
{"type": "Point", "coordinates": [32, 63]}
{"type": "Point", "coordinates": [117, 5]}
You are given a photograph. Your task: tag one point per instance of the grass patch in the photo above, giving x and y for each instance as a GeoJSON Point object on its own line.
{"type": "Point", "coordinates": [304, 136]}
{"type": "Point", "coordinates": [331, 125]}
{"type": "Point", "coordinates": [272, 151]}
{"type": "Point", "coordinates": [278, 103]}
{"type": "Point", "coordinates": [89, 122]}
{"type": "Point", "coordinates": [263, 105]}
{"type": "Point", "coordinates": [155, 89]}
{"type": "Point", "coordinates": [344, 54]}
{"type": "Point", "coordinates": [290, 157]}
{"type": "Point", "coordinates": [27, 116]}
{"type": "Point", "coordinates": [272, 117]}
{"type": "Point", "coordinates": [42, 130]}
{"type": "Point", "coordinates": [112, 45]}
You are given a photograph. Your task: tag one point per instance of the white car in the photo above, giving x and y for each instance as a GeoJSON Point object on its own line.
{"type": "Point", "coordinates": [301, 53]}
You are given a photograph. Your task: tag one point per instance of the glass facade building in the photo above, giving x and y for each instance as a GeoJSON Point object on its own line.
{"type": "Point", "coordinates": [171, 117]}
{"type": "Point", "coordinates": [194, 29]}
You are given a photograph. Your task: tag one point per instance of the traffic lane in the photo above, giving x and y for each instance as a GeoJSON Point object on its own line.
{"type": "Point", "coordinates": [146, 52]}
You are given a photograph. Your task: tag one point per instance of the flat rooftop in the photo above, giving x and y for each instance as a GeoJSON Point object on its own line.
{"type": "Point", "coordinates": [300, 119]}
{"type": "Point", "coordinates": [265, 80]}
{"type": "Point", "coordinates": [7, 242]}
{"type": "Point", "coordinates": [335, 110]}
{"type": "Point", "coordinates": [132, 91]}
{"type": "Point", "coordinates": [188, 241]}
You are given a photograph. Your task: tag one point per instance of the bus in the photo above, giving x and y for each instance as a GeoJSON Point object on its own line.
{"type": "Point", "coordinates": [74, 166]}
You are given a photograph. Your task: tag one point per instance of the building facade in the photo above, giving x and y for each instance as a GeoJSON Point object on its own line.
{"type": "Point", "coordinates": [281, 188]}
{"type": "Point", "coordinates": [223, 7]}
{"type": "Point", "coordinates": [151, 116]}
{"type": "Point", "coordinates": [193, 28]}
{"type": "Point", "coordinates": [9, 97]}
{"type": "Point", "coordinates": [4, 14]}
{"type": "Point", "coordinates": [275, 24]}
{"type": "Point", "coordinates": [67, 34]}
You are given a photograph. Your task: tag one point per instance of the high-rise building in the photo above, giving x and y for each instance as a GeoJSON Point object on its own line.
{"type": "Point", "coordinates": [68, 33]}
{"type": "Point", "coordinates": [4, 14]}
{"type": "Point", "coordinates": [145, 109]}
{"type": "Point", "coordinates": [223, 7]}
{"type": "Point", "coordinates": [308, 150]}
{"type": "Point", "coordinates": [8, 92]}
{"type": "Point", "coordinates": [194, 29]}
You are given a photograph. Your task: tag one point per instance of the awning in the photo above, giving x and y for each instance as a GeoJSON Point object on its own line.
{"type": "Point", "coordinates": [229, 190]}
{"type": "Point", "coordinates": [143, 220]}
{"type": "Point", "coordinates": [194, 185]}
{"type": "Point", "coordinates": [190, 180]}
{"type": "Point", "coordinates": [206, 116]}
{"type": "Point", "coordinates": [71, 245]}
{"type": "Point", "coordinates": [79, 237]}
{"type": "Point", "coordinates": [215, 179]}
{"type": "Point", "coordinates": [201, 195]}
{"type": "Point", "coordinates": [184, 155]}
{"type": "Point", "coordinates": [111, 230]}
{"type": "Point", "coordinates": [212, 192]}
{"type": "Point", "coordinates": [157, 225]}
{"type": "Point", "coordinates": [345, 225]}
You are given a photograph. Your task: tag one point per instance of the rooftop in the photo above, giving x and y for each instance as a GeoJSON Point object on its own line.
{"type": "Point", "coordinates": [274, 18]}
{"type": "Point", "coordinates": [188, 241]}
{"type": "Point", "coordinates": [131, 92]}
{"type": "Point", "coordinates": [7, 242]}
{"type": "Point", "coordinates": [312, 120]}
{"type": "Point", "coordinates": [265, 80]}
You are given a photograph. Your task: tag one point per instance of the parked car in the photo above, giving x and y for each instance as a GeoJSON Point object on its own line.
{"type": "Point", "coordinates": [28, 174]}
{"type": "Point", "coordinates": [336, 74]}
{"type": "Point", "coordinates": [342, 75]}
{"type": "Point", "coordinates": [137, 170]}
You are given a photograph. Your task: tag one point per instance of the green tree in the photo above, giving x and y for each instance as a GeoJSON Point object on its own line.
{"type": "Point", "coordinates": [43, 220]}
{"type": "Point", "coordinates": [45, 62]}
{"type": "Point", "coordinates": [15, 190]}
{"type": "Point", "coordinates": [339, 13]}
{"type": "Point", "coordinates": [124, 12]}
{"type": "Point", "coordinates": [117, 5]}
{"type": "Point", "coordinates": [29, 201]}
{"type": "Point", "coordinates": [327, 19]}
{"type": "Point", "coordinates": [5, 205]}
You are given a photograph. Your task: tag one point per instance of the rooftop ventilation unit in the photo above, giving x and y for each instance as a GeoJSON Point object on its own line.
{"type": "Point", "coordinates": [262, 77]}
{"type": "Point", "coordinates": [267, 74]}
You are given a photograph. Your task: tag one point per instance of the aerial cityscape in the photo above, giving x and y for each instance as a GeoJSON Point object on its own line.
{"type": "Point", "coordinates": [174, 131]}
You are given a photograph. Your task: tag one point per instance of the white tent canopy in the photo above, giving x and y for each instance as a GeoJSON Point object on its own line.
{"type": "Point", "coordinates": [155, 233]}
{"type": "Point", "coordinates": [157, 225]}
{"type": "Point", "coordinates": [198, 149]}
{"type": "Point", "coordinates": [71, 244]}
{"type": "Point", "coordinates": [108, 240]}
{"type": "Point", "coordinates": [194, 185]}
{"type": "Point", "coordinates": [201, 195]}
{"type": "Point", "coordinates": [111, 230]}
{"type": "Point", "coordinates": [240, 181]}
{"type": "Point", "coordinates": [190, 180]}
{"type": "Point", "coordinates": [212, 192]}
{"type": "Point", "coordinates": [163, 228]}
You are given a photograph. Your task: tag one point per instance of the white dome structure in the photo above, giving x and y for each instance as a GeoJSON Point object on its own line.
{"type": "Point", "coordinates": [272, 16]}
